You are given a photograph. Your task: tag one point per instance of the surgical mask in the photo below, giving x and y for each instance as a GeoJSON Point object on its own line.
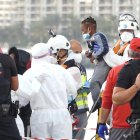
{"type": "Point", "coordinates": [53, 60]}
{"type": "Point", "coordinates": [126, 36]}
{"type": "Point", "coordinates": [76, 56]}
{"type": "Point", "coordinates": [86, 37]}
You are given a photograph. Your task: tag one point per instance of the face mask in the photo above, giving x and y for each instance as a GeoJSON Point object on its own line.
{"type": "Point", "coordinates": [86, 36]}
{"type": "Point", "coordinates": [53, 60]}
{"type": "Point", "coordinates": [126, 36]}
{"type": "Point", "coordinates": [76, 56]}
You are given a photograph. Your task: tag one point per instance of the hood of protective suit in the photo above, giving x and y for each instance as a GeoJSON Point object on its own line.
{"type": "Point", "coordinates": [41, 53]}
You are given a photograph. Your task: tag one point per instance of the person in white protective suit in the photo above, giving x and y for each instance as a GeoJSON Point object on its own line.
{"type": "Point", "coordinates": [60, 47]}
{"type": "Point", "coordinates": [128, 29]}
{"type": "Point", "coordinates": [70, 57]}
{"type": "Point", "coordinates": [49, 85]}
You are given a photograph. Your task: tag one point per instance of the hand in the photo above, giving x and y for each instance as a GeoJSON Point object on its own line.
{"type": "Point", "coordinates": [137, 81]}
{"type": "Point", "coordinates": [91, 59]}
{"type": "Point", "coordinates": [89, 55]}
{"type": "Point", "coordinates": [102, 130]}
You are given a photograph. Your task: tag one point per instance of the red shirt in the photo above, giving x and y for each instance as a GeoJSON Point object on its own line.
{"type": "Point", "coordinates": [121, 112]}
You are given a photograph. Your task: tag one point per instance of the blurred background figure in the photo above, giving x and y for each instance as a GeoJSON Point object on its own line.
{"type": "Point", "coordinates": [23, 62]}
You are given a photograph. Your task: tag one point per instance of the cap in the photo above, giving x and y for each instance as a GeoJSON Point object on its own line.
{"type": "Point", "coordinates": [135, 44]}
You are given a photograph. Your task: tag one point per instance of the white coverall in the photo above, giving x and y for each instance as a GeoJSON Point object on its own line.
{"type": "Point", "coordinates": [113, 59]}
{"type": "Point", "coordinates": [49, 85]}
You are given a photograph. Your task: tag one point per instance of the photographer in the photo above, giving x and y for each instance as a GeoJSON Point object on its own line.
{"type": "Point", "coordinates": [128, 88]}
{"type": "Point", "coordinates": [8, 110]}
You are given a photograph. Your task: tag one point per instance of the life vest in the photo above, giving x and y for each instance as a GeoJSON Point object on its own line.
{"type": "Point", "coordinates": [119, 49]}
{"type": "Point", "coordinates": [81, 98]}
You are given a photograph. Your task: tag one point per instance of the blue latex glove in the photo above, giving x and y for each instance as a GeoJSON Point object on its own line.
{"type": "Point", "coordinates": [87, 84]}
{"type": "Point", "coordinates": [102, 131]}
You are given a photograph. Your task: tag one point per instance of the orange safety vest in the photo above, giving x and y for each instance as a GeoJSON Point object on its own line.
{"type": "Point", "coordinates": [119, 49]}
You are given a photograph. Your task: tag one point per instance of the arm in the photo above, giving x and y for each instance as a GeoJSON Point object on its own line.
{"type": "Point", "coordinates": [71, 84]}
{"type": "Point", "coordinates": [14, 77]}
{"type": "Point", "coordinates": [122, 95]}
{"type": "Point", "coordinates": [104, 115]}
{"type": "Point", "coordinates": [113, 59]}
{"type": "Point", "coordinates": [102, 128]}
{"type": "Point", "coordinates": [14, 83]}
{"type": "Point", "coordinates": [75, 72]}
{"type": "Point", "coordinates": [24, 91]}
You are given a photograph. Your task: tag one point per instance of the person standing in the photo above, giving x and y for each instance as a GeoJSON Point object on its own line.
{"type": "Point", "coordinates": [49, 85]}
{"type": "Point", "coordinates": [70, 57]}
{"type": "Point", "coordinates": [127, 28]}
{"type": "Point", "coordinates": [81, 99]}
{"type": "Point", "coordinates": [128, 87]}
{"type": "Point", "coordinates": [23, 62]}
{"type": "Point", "coordinates": [119, 114]}
{"type": "Point", "coordinates": [8, 82]}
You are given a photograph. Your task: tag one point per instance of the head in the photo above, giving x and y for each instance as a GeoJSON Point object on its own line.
{"type": "Point", "coordinates": [88, 27]}
{"type": "Point", "coordinates": [76, 52]}
{"type": "Point", "coordinates": [134, 49]}
{"type": "Point", "coordinates": [128, 27]}
{"type": "Point", "coordinates": [41, 53]}
{"type": "Point", "coordinates": [60, 47]}
{"type": "Point", "coordinates": [76, 46]}
{"type": "Point", "coordinates": [13, 52]}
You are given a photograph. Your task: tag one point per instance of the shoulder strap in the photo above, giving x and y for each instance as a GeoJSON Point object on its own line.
{"type": "Point", "coordinates": [69, 63]}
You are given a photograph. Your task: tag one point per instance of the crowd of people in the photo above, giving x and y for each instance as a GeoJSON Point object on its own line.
{"type": "Point", "coordinates": [44, 92]}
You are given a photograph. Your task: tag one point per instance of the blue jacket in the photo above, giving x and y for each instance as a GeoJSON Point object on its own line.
{"type": "Point", "coordinates": [98, 45]}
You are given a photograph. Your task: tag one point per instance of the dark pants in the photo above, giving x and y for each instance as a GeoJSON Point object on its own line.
{"type": "Point", "coordinates": [25, 113]}
{"type": "Point", "coordinates": [101, 70]}
{"type": "Point", "coordinates": [131, 136]}
{"type": "Point", "coordinates": [117, 133]}
{"type": "Point", "coordinates": [82, 117]}
{"type": "Point", "coordinates": [8, 129]}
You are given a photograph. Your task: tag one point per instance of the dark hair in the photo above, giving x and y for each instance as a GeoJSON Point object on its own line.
{"type": "Point", "coordinates": [133, 54]}
{"type": "Point", "coordinates": [14, 50]}
{"type": "Point", "coordinates": [89, 20]}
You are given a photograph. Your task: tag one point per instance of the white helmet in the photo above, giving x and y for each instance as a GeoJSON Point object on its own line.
{"type": "Point", "coordinates": [127, 16]}
{"type": "Point", "coordinates": [127, 21]}
{"type": "Point", "coordinates": [58, 42]}
{"type": "Point", "coordinates": [127, 25]}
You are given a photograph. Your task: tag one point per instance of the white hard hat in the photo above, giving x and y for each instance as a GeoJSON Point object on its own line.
{"type": "Point", "coordinates": [40, 50]}
{"type": "Point", "coordinates": [127, 16]}
{"type": "Point", "coordinates": [128, 21]}
{"type": "Point", "coordinates": [58, 42]}
{"type": "Point", "coordinates": [127, 25]}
